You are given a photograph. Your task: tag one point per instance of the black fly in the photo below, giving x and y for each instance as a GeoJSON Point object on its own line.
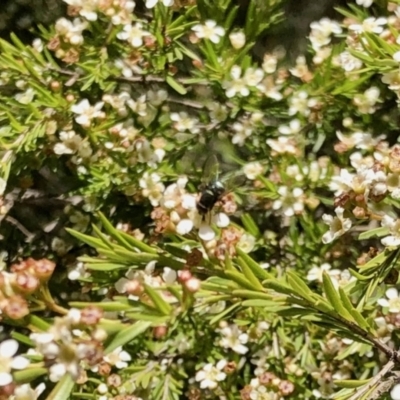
{"type": "Point", "coordinates": [212, 190]}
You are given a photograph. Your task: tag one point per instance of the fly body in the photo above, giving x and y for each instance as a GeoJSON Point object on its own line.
{"type": "Point", "coordinates": [210, 195]}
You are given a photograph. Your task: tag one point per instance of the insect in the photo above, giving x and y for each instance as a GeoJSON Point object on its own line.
{"type": "Point", "coordinates": [212, 189]}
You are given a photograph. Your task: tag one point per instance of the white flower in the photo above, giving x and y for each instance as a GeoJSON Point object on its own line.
{"type": "Point", "coordinates": [71, 31]}
{"type": "Point", "coordinates": [370, 24]}
{"type": "Point", "coordinates": [169, 275]}
{"type": "Point", "coordinates": [243, 130]}
{"type": "Point", "coordinates": [253, 169]}
{"type": "Point", "coordinates": [3, 185]}
{"type": "Point", "coordinates": [25, 97]}
{"type": "Point", "coordinates": [395, 392]}
{"type": "Point", "coordinates": [252, 77]}
{"type": "Point", "coordinates": [348, 62]}
{"type": "Point", "coordinates": [300, 103]}
{"type": "Point", "coordinates": [236, 85]}
{"type": "Point", "coordinates": [183, 123]}
{"type": "Point", "coordinates": [118, 357]}
{"type": "Point", "coordinates": [392, 302]}
{"type": "Point", "coordinates": [283, 145]}
{"type": "Point", "coordinates": [233, 338]}
{"type": "Point", "coordinates": [396, 56]}
{"type": "Point", "coordinates": [293, 128]}
{"type": "Point", "coordinates": [393, 240]}
{"type": "Point", "coordinates": [152, 187]}
{"type": "Point", "coordinates": [270, 63]}
{"type": "Point", "coordinates": [206, 233]}
{"type": "Point", "coordinates": [77, 271]}
{"type": "Point", "coordinates": [152, 3]}
{"type": "Point", "coordinates": [133, 34]}
{"type": "Point", "coordinates": [209, 376]}
{"type": "Point", "coordinates": [209, 31]}
{"type": "Point", "coordinates": [365, 102]}
{"type": "Point", "coordinates": [71, 143]}
{"type": "Point", "coordinates": [321, 32]}
{"type": "Point", "coordinates": [316, 273]}
{"type": "Point", "coordinates": [86, 8]}
{"type": "Point", "coordinates": [365, 3]}
{"type": "Point", "coordinates": [86, 112]}
{"type": "Point", "coordinates": [25, 392]}
{"type": "Point", "coordinates": [237, 39]}
{"type": "Point", "coordinates": [291, 201]}
{"type": "Point", "coordinates": [8, 349]}
{"type": "Point", "coordinates": [337, 225]}
{"type": "Point", "coordinates": [246, 243]}
{"type": "Point", "coordinates": [37, 44]}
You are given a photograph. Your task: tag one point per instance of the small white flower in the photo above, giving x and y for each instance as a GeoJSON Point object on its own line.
{"type": "Point", "coordinates": [253, 76]}
{"type": "Point", "coordinates": [184, 226]}
{"type": "Point", "coordinates": [253, 169]}
{"type": "Point", "coordinates": [118, 357]}
{"type": "Point", "coordinates": [37, 44]}
{"type": "Point", "coordinates": [8, 349]}
{"type": "Point", "coordinates": [87, 8]}
{"type": "Point", "coordinates": [246, 243]}
{"type": "Point", "coordinates": [221, 220]}
{"type": "Point", "coordinates": [233, 338]}
{"type": "Point", "coordinates": [152, 3]}
{"type": "Point", "coordinates": [210, 375]}
{"type": "Point", "coordinates": [25, 97]}
{"type": "Point", "coordinates": [133, 34]}
{"type": "Point", "coordinates": [395, 392]}
{"type": "Point", "coordinates": [209, 31]}
{"type": "Point", "coordinates": [365, 3]}
{"type": "Point", "coordinates": [291, 202]}
{"type": "Point", "coordinates": [396, 56]}
{"type": "Point", "coordinates": [25, 392]}
{"type": "Point", "coordinates": [183, 122]}
{"type": "Point", "coordinates": [206, 233]}
{"type": "Point", "coordinates": [236, 85]}
{"type": "Point", "coordinates": [237, 39]}
{"type": "Point", "coordinates": [86, 112]}
{"type": "Point", "coordinates": [393, 240]}
{"type": "Point", "coordinates": [392, 302]}
{"type": "Point", "coordinates": [169, 275]}
{"type": "Point", "coordinates": [370, 24]}
{"type": "Point", "coordinates": [293, 128]}
{"type": "Point", "coordinates": [337, 225]}
{"type": "Point", "coordinates": [152, 188]}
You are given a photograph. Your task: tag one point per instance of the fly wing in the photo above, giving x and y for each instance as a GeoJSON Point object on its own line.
{"type": "Point", "coordinates": [210, 170]}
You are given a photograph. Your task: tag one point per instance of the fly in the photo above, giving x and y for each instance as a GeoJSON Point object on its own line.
{"type": "Point", "coordinates": [212, 188]}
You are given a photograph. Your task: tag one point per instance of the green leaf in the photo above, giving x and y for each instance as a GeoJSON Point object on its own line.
{"type": "Point", "coordinates": [241, 280]}
{"type": "Point", "coordinates": [248, 273]}
{"type": "Point", "coordinates": [175, 85]}
{"type": "Point", "coordinates": [300, 288]}
{"type": "Point", "coordinates": [104, 305]}
{"type": "Point", "coordinates": [359, 319]}
{"type": "Point", "coordinates": [105, 266]}
{"type": "Point", "coordinates": [350, 384]}
{"type": "Point", "coordinates": [378, 232]}
{"type": "Point", "coordinates": [250, 225]}
{"type": "Point", "coordinates": [29, 374]}
{"type": "Point", "coordinates": [127, 335]}
{"type": "Point", "coordinates": [245, 259]}
{"type": "Point", "coordinates": [91, 241]}
{"type": "Point", "coordinates": [63, 389]}
{"type": "Point", "coordinates": [38, 323]}
{"type": "Point", "coordinates": [162, 306]}
{"type": "Point", "coordinates": [334, 298]}
{"type": "Point", "coordinates": [224, 313]}
{"type": "Point", "coordinates": [376, 261]}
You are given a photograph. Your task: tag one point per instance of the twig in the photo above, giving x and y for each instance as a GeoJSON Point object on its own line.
{"type": "Point", "coordinates": [388, 367]}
